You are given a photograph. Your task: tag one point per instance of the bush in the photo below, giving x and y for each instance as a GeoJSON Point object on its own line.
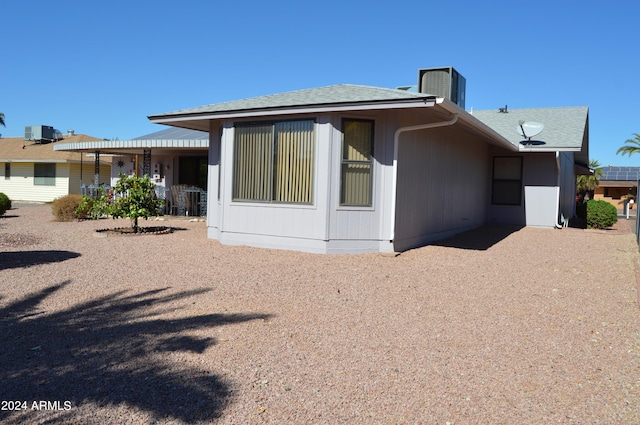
{"type": "Point", "coordinates": [96, 206]}
{"type": "Point", "coordinates": [65, 208]}
{"type": "Point", "coordinates": [601, 214]}
{"type": "Point", "coordinates": [5, 203]}
{"type": "Point", "coordinates": [134, 197]}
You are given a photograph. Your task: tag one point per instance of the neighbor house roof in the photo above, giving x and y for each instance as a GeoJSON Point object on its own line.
{"type": "Point", "coordinates": [167, 139]}
{"type": "Point", "coordinates": [627, 174]}
{"type": "Point", "coordinates": [17, 149]}
{"type": "Point", "coordinates": [565, 128]}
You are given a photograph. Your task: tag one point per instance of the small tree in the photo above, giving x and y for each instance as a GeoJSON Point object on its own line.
{"type": "Point", "coordinates": [585, 184]}
{"type": "Point", "coordinates": [134, 197]}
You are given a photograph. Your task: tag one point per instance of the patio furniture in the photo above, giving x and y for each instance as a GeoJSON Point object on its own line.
{"type": "Point", "coordinates": [192, 198]}
{"type": "Point", "coordinates": [203, 203]}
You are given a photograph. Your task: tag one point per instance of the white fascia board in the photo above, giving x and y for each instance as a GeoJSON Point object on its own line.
{"type": "Point", "coordinates": [539, 149]}
{"type": "Point", "coordinates": [296, 111]}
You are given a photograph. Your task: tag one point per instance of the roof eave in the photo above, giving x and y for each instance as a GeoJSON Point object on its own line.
{"type": "Point", "coordinates": [476, 124]}
{"type": "Point", "coordinates": [427, 101]}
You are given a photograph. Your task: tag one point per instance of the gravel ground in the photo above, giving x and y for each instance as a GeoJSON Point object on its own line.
{"type": "Point", "coordinates": [496, 326]}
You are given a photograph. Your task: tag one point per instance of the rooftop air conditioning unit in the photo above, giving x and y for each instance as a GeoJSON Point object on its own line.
{"type": "Point", "coordinates": [443, 82]}
{"type": "Point", "coordinates": [39, 133]}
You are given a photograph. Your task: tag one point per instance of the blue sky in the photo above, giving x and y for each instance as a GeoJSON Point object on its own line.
{"type": "Point", "coordinates": [101, 68]}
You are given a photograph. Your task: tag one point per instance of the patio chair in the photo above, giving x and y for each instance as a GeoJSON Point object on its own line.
{"type": "Point", "coordinates": [179, 198]}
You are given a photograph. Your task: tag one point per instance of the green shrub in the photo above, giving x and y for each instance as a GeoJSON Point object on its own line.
{"type": "Point", "coordinates": [5, 203]}
{"type": "Point", "coordinates": [601, 214]}
{"type": "Point", "coordinates": [65, 207]}
{"type": "Point", "coordinates": [97, 206]}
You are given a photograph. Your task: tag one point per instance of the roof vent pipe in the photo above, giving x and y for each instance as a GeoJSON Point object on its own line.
{"type": "Point", "coordinates": [70, 132]}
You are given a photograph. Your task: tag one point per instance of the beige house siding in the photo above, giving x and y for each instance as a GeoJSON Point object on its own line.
{"type": "Point", "coordinates": [20, 184]}
{"type": "Point", "coordinates": [86, 175]}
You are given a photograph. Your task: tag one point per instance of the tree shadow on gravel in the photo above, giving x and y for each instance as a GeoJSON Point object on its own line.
{"type": "Point", "coordinates": [106, 352]}
{"type": "Point", "coordinates": [17, 259]}
{"type": "Point", "coordinates": [479, 239]}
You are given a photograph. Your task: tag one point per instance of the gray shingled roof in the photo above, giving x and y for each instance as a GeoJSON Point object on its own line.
{"type": "Point", "coordinates": [564, 128]}
{"type": "Point", "coordinates": [329, 95]}
{"type": "Point", "coordinates": [174, 133]}
{"type": "Point", "coordinates": [620, 173]}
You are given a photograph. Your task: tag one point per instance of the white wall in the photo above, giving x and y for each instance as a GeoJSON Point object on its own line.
{"type": "Point", "coordinates": [274, 225]}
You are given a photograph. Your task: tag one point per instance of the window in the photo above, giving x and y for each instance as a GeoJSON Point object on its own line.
{"type": "Point", "coordinates": [357, 151]}
{"type": "Point", "coordinates": [273, 162]}
{"type": "Point", "coordinates": [7, 170]}
{"type": "Point", "coordinates": [507, 181]}
{"type": "Point", "coordinates": [44, 174]}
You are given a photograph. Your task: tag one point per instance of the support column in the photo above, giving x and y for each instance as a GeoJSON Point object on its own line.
{"type": "Point", "coordinates": [97, 168]}
{"type": "Point", "coordinates": [146, 162]}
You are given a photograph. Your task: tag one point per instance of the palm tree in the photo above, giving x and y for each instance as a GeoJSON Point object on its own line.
{"type": "Point", "coordinates": [632, 146]}
{"type": "Point", "coordinates": [585, 184]}
{"type": "Point", "coordinates": [2, 119]}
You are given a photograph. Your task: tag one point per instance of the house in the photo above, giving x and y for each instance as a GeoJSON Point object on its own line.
{"type": "Point", "coordinates": [618, 185]}
{"type": "Point", "coordinates": [169, 156]}
{"type": "Point", "coordinates": [34, 171]}
{"type": "Point", "coordinates": [348, 168]}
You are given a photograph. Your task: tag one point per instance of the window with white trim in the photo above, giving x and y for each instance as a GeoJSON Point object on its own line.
{"type": "Point", "coordinates": [273, 162]}
{"type": "Point", "coordinates": [507, 180]}
{"type": "Point", "coordinates": [357, 163]}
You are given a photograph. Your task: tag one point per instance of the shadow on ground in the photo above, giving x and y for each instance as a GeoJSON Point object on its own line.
{"type": "Point", "coordinates": [11, 260]}
{"type": "Point", "coordinates": [108, 352]}
{"type": "Point", "coordinates": [479, 239]}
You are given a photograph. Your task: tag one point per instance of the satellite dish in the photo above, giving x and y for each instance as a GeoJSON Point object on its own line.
{"type": "Point", "coordinates": [528, 129]}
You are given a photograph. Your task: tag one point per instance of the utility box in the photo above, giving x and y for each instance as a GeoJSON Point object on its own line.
{"type": "Point", "coordinates": [39, 133]}
{"type": "Point", "coordinates": [443, 82]}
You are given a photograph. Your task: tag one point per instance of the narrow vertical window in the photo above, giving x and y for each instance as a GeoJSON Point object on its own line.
{"type": "Point", "coordinates": [507, 181]}
{"type": "Point", "coordinates": [7, 170]}
{"type": "Point", "coordinates": [357, 162]}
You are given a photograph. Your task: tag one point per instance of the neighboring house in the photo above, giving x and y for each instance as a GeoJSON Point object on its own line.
{"type": "Point", "coordinates": [170, 156]}
{"type": "Point", "coordinates": [34, 171]}
{"type": "Point", "coordinates": [618, 185]}
{"type": "Point", "coordinates": [347, 168]}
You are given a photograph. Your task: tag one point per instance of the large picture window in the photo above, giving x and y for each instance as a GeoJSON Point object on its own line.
{"type": "Point", "coordinates": [357, 154]}
{"type": "Point", "coordinates": [507, 181]}
{"type": "Point", "coordinates": [273, 162]}
{"type": "Point", "coordinates": [44, 174]}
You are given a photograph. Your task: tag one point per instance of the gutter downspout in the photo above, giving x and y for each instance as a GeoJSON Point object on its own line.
{"type": "Point", "coordinates": [394, 181]}
{"type": "Point", "coordinates": [564, 222]}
